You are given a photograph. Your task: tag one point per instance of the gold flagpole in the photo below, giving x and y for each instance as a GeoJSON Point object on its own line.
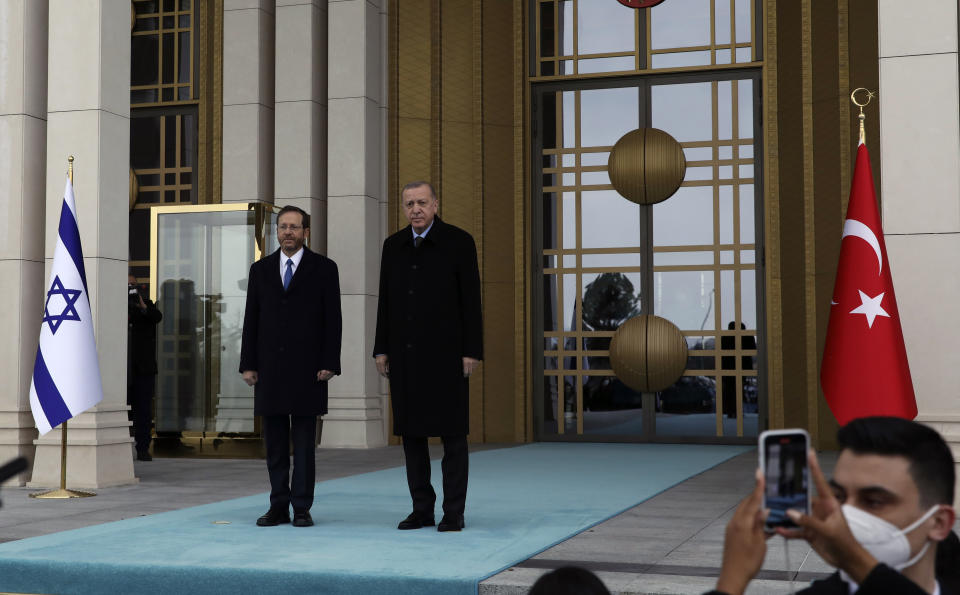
{"type": "Point", "coordinates": [63, 492]}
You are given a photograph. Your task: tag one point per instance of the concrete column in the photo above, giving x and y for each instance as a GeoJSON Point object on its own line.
{"type": "Point", "coordinates": [23, 132]}
{"type": "Point", "coordinates": [300, 176]}
{"type": "Point", "coordinates": [88, 103]}
{"type": "Point", "coordinates": [248, 108]}
{"type": "Point", "coordinates": [920, 138]}
{"type": "Point", "coordinates": [356, 211]}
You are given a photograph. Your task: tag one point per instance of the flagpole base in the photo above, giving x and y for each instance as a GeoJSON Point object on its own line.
{"type": "Point", "coordinates": [62, 494]}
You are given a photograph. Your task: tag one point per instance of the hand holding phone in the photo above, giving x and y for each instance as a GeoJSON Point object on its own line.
{"type": "Point", "coordinates": [783, 461]}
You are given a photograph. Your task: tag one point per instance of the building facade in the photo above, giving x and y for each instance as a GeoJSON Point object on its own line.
{"type": "Point", "coordinates": [192, 120]}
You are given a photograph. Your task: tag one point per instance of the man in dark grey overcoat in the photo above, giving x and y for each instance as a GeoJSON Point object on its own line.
{"type": "Point", "coordinates": [428, 343]}
{"type": "Point", "coordinates": [291, 348]}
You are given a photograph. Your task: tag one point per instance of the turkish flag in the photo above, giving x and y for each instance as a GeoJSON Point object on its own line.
{"type": "Point", "coordinates": [865, 370]}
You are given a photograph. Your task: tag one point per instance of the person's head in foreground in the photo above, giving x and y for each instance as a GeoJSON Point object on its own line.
{"type": "Point", "coordinates": [569, 580]}
{"type": "Point", "coordinates": [878, 520]}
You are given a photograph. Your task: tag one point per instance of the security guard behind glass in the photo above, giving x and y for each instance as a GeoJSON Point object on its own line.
{"type": "Point", "coordinates": [142, 320]}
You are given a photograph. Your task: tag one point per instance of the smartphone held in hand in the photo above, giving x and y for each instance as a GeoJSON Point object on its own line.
{"type": "Point", "coordinates": [783, 459]}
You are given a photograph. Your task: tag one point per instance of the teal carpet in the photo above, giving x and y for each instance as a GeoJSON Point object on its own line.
{"type": "Point", "coordinates": [520, 501]}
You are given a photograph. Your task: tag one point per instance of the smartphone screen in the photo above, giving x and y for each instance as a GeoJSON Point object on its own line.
{"type": "Point", "coordinates": [787, 477]}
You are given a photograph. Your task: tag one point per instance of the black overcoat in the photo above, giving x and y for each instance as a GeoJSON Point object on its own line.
{"type": "Point", "coordinates": [428, 320]}
{"type": "Point", "coordinates": [289, 336]}
{"type": "Point", "coordinates": [142, 340]}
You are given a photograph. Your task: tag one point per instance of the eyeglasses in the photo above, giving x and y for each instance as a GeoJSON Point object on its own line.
{"type": "Point", "coordinates": [289, 227]}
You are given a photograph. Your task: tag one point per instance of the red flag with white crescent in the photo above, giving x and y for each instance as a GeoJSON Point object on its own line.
{"type": "Point", "coordinates": [865, 370]}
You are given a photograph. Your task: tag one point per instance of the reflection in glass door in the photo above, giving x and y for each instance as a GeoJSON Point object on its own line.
{"type": "Point", "coordinates": [690, 259]}
{"type": "Point", "coordinates": [200, 259]}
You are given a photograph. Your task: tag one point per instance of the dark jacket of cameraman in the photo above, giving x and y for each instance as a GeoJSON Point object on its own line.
{"type": "Point", "coordinates": [142, 338]}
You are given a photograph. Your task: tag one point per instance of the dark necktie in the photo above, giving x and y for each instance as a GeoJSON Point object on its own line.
{"type": "Point", "coordinates": [416, 241]}
{"type": "Point", "coordinates": [288, 275]}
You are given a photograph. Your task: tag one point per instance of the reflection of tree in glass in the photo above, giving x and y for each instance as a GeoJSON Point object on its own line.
{"type": "Point", "coordinates": [608, 302]}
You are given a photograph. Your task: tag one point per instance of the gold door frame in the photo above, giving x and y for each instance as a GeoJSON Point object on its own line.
{"type": "Point", "coordinates": [210, 444]}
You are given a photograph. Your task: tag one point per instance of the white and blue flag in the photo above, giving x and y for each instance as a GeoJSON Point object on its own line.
{"type": "Point", "coordinates": [66, 375]}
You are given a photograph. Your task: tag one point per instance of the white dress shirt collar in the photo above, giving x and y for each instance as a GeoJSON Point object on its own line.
{"type": "Point", "coordinates": [425, 232]}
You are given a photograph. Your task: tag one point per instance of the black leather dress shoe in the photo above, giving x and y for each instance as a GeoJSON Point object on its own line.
{"type": "Point", "coordinates": [415, 521]}
{"type": "Point", "coordinates": [144, 455]}
{"type": "Point", "coordinates": [302, 518]}
{"type": "Point", "coordinates": [274, 517]}
{"type": "Point", "coordinates": [451, 522]}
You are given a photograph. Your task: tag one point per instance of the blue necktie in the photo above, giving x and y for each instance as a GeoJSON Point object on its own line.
{"type": "Point", "coordinates": [288, 275]}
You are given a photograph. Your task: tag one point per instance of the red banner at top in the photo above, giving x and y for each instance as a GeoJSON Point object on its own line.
{"type": "Point", "coordinates": [639, 3]}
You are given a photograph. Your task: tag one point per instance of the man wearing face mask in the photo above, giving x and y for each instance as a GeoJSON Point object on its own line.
{"type": "Point", "coordinates": [884, 520]}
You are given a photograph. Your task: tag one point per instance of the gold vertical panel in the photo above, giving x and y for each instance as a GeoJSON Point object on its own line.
{"type": "Point", "coordinates": [831, 55]}
{"type": "Point", "coordinates": [771, 212]}
{"type": "Point", "coordinates": [413, 106]}
{"type": "Point", "coordinates": [523, 346]}
{"type": "Point", "coordinates": [460, 163]}
{"type": "Point", "coordinates": [812, 59]}
{"type": "Point", "coordinates": [413, 58]}
{"type": "Point", "coordinates": [458, 159]}
{"type": "Point", "coordinates": [393, 184]}
{"type": "Point", "coordinates": [414, 143]}
{"type": "Point", "coordinates": [843, 105]}
{"type": "Point", "coordinates": [478, 191]}
{"type": "Point", "coordinates": [414, 76]}
{"type": "Point", "coordinates": [436, 95]}
{"type": "Point", "coordinates": [809, 225]}
{"type": "Point", "coordinates": [207, 41]}
{"type": "Point", "coordinates": [498, 230]}
{"type": "Point", "coordinates": [454, 120]}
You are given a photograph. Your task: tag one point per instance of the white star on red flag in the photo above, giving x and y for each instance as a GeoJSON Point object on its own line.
{"type": "Point", "coordinates": [870, 307]}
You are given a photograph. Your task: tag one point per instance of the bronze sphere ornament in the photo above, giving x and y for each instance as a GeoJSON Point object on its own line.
{"type": "Point", "coordinates": [646, 166]}
{"type": "Point", "coordinates": [648, 353]}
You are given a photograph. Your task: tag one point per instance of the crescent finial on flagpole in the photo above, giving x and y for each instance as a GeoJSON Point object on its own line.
{"type": "Point", "coordinates": [853, 98]}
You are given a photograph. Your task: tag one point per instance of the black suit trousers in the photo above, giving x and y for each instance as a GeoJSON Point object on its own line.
{"type": "Point", "coordinates": [278, 430]}
{"type": "Point", "coordinates": [140, 399]}
{"type": "Point", "coordinates": [454, 465]}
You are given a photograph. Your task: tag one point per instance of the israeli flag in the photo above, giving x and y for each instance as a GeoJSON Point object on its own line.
{"type": "Point", "coordinates": [66, 374]}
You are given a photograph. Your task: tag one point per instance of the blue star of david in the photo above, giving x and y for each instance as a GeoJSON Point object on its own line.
{"type": "Point", "coordinates": [69, 312]}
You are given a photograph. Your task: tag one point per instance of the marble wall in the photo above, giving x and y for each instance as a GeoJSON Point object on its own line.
{"type": "Point", "coordinates": [23, 132]}
{"type": "Point", "coordinates": [88, 116]}
{"type": "Point", "coordinates": [356, 210]}
{"type": "Point", "coordinates": [920, 138]}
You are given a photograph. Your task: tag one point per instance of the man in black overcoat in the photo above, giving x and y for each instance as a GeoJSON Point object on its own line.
{"type": "Point", "coordinates": [142, 320]}
{"type": "Point", "coordinates": [291, 348]}
{"type": "Point", "coordinates": [428, 343]}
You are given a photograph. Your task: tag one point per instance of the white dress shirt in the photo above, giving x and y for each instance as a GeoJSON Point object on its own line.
{"type": "Point", "coordinates": [421, 235]}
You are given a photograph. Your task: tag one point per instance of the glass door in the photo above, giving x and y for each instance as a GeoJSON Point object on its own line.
{"type": "Point", "coordinates": [690, 259]}
{"type": "Point", "coordinates": [200, 259]}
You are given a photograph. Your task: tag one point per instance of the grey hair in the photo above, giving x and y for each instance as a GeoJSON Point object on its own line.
{"type": "Point", "coordinates": [418, 184]}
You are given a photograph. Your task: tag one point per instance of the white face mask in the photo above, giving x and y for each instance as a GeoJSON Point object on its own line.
{"type": "Point", "coordinates": [885, 542]}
